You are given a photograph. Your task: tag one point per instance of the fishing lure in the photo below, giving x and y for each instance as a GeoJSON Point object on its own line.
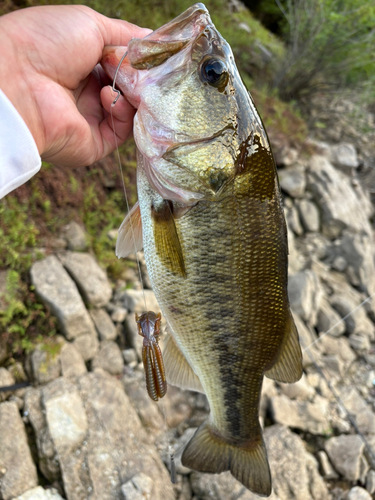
{"type": "Point", "coordinates": [149, 328]}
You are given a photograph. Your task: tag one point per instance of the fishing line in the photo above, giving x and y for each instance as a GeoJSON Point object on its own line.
{"type": "Point", "coordinates": [170, 451]}
{"type": "Point", "coordinates": [122, 176]}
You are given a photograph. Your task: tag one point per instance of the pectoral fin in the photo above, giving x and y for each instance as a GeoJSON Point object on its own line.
{"type": "Point", "coordinates": [167, 242]}
{"type": "Point", "coordinates": [177, 369]}
{"type": "Point", "coordinates": [130, 233]}
{"type": "Point", "coordinates": [288, 366]}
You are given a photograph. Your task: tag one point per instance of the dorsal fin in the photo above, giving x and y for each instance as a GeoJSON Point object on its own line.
{"type": "Point", "coordinates": [132, 224]}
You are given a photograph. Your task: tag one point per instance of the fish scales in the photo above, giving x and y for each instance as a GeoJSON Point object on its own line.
{"type": "Point", "coordinates": [211, 223]}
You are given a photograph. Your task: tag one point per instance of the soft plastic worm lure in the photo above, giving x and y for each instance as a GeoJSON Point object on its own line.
{"type": "Point", "coordinates": [149, 328]}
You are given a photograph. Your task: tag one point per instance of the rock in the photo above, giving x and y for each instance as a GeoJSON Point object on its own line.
{"type": "Point", "coordinates": [17, 470]}
{"type": "Point", "coordinates": [296, 260]}
{"type": "Point", "coordinates": [109, 358]}
{"type": "Point", "coordinates": [359, 410]}
{"type": "Point", "coordinates": [72, 362]}
{"type": "Point", "coordinates": [293, 181]}
{"type": "Point", "coordinates": [130, 357]}
{"type": "Point", "coordinates": [87, 345]}
{"type": "Point", "coordinates": [328, 471]}
{"type": "Point", "coordinates": [359, 343]}
{"type": "Point", "coordinates": [339, 347]}
{"type": "Point", "coordinates": [104, 325]}
{"type": "Point", "coordinates": [308, 338]}
{"type": "Point", "coordinates": [339, 263]}
{"type": "Point", "coordinates": [138, 488]}
{"type": "Point", "coordinates": [133, 301]}
{"type": "Point", "coordinates": [299, 390]}
{"type": "Point", "coordinates": [294, 471]}
{"type": "Point", "coordinates": [370, 482]}
{"type": "Point", "coordinates": [310, 417]}
{"type": "Point", "coordinates": [75, 236]}
{"type": "Point", "coordinates": [45, 360]}
{"type": "Point", "coordinates": [293, 221]}
{"type": "Point", "coordinates": [65, 416]}
{"type": "Point", "coordinates": [59, 292]}
{"type": "Point", "coordinates": [35, 413]}
{"type": "Point", "coordinates": [90, 278]}
{"type": "Point", "coordinates": [117, 445]}
{"type": "Point", "coordinates": [330, 187]}
{"type": "Point", "coordinates": [221, 487]}
{"type": "Point", "coordinates": [179, 447]}
{"type": "Point", "coordinates": [329, 321]}
{"type": "Point", "coordinates": [358, 493]}
{"type": "Point", "coordinates": [39, 493]}
{"type": "Point", "coordinates": [119, 314]}
{"type": "Point", "coordinates": [305, 295]}
{"type": "Point", "coordinates": [344, 155]}
{"type": "Point", "coordinates": [309, 215]}
{"type": "Point", "coordinates": [332, 366]}
{"type": "Point", "coordinates": [132, 335]}
{"type": "Point", "coordinates": [345, 453]}
{"type": "Point", "coordinates": [347, 302]}
{"type": "Point", "coordinates": [359, 252]}
{"type": "Point", "coordinates": [6, 379]}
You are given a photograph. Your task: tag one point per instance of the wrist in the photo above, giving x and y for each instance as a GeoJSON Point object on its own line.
{"type": "Point", "coordinates": [15, 74]}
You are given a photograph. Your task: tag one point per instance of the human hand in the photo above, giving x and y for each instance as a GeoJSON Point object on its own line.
{"type": "Point", "coordinates": [49, 71]}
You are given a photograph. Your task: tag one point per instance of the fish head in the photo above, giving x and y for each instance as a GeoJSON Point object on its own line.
{"type": "Point", "coordinates": [193, 112]}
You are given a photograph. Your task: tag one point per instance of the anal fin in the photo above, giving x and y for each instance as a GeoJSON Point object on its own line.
{"type": "Point", "coordinates": [167, 242]}
{"type": "Point", "coordinates": [131, 226]}
{"type": "Point", "coordinates": [208, 451]}
{"type": "Point", "coordinates": [288, 366]}
{"type": "Point", "coordinates": [177, 369]}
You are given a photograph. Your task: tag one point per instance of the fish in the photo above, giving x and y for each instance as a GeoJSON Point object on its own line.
{"type": "Point", "coordinates": [209, 217]}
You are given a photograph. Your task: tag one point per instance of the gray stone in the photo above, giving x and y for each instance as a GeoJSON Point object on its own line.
{"type": "Point", "coordinates": [65, 415]}
{"type": "Point", "coordinates": [332, 366]}
{"type": "Point", "coordinates": [347, 303]}
{"type": "Point", "coordinates": [104, 325]}
{"type": "Point", "coordinates": [130, 357]}
{"type": "Point", "coordinates": [359, 410]}
{"type": "Point", "coordinates": [293, 221]}
{"type": "Point", "coordinates": [35, 413]}
{"type": "Point", "coordinates": [308, 340]}
{"type": "Point", "coordinates": [370, 482]}
{"type": "Point", "coordinates": [133, 337]}
{"type": "Point", "coordinates": [359, 252]}
{"type": "Point", "coordinates": [109, 358]}
{"type": "Point", "coordinates": [130, 492]}
{"type": "Point", "coordinates": [39, 493]}
{"type": "Point", "coordinates": [345, 453]}
{"type": "Point", "coordinates": [72, 362]}
{"type": "Point", "coordinates": [87, 345]}
{"type": "Point", "coordinates": [305, 295]}
{"type": "Point", "coordinates": [295, 473]}
{"type": "Point", "coordinates": [90, 278]}
{"type": "Point", "coordinates": [45, 360]}
{"type": "Point", "coordinates": [296, 260]}
{"type": "Point", "coordinates": [329, 321]}
{"type": "Point", "coordinates": [359, 343]}
{"type": "Point", "coordinates": [344, 155]}
{"type": "Point", "coordinates": [119, 314]}
{"type": "Point", "coordinates": [330, 187]}
{"type": "Point", "coordinates": [299, 390]}
{"type": "Point", "coordinates": [58, 291]}
{"type": "Point", "coordinates": [328, 470]}
{"type": "Point", "coordinates": [309, 215]}
{"type": "Point", "coordinates": [6, 378]}
{"type": "Point", "coordinates": [144, 484]}
{"type": "Point", "coordinates": [133, 301]}
{"type": "Point", "coordinates": [310, 417]}
{"type": "Point", "coordinates": [293, 181]}
{"type": "Point", "coordinates": [17, 470]}
{"type": "Point", "coordinates": [337, 346]}
{"type": "Point", "coordinates": [75, 236]}
{"type": "Point", "coordinates": [339, 263]}
{"type": "Point", "coordinates": [358, 493]}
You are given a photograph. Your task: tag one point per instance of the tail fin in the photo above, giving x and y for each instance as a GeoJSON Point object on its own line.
{"type": "Point", "coordinates": [209, 452]}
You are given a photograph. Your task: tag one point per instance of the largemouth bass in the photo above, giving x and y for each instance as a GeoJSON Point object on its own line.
{"type": "Point", "coordinates": [214, 235]}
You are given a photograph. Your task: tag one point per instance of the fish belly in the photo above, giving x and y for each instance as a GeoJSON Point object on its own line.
{"type": "Point", "coordinates": [228, 314]}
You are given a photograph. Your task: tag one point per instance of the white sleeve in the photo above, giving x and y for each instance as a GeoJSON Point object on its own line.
{"type": "Point", "coordinates": [19, 156]}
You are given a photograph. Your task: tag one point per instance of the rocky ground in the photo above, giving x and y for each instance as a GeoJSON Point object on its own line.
{"type": "Point", "coordinates": [86, 428]}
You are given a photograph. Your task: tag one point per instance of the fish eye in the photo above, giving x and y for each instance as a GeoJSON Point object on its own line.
{"type": "Point", "coordinates": [214, 72]}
